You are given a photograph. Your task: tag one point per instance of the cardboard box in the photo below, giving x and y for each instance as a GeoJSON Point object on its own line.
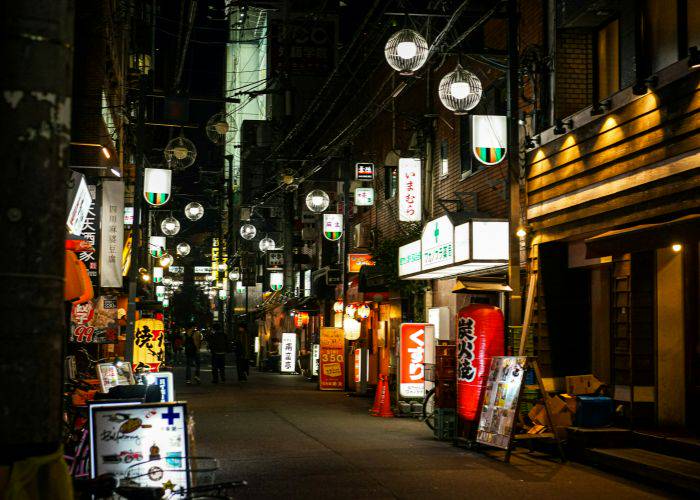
{"type": "Point", "coordinates": [582, 384]}
{"type": "Point", "coordinates": [570, 402]}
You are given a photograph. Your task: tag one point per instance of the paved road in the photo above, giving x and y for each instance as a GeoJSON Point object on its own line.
{"type": "Point", "coordinates": [290, 441]}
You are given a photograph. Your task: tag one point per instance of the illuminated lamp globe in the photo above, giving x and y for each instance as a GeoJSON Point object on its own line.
{"type": "Point", "coordinates": [317, 200]}
{"type": "Point", "coordinates": [406, 51]}
{"type": "Point", "coordinates": [460, 90]}
{"type": "Point", "coordinates": [363, 311]}
{"type": "Point", "coordinates": [266, 244]}
{"type": "Point", "coordinates": [183, 249]}
{"type": "Point", "coordinates": [170, 226]}
{"type": "Point", "coordinates": [350, 310]}
{"type": "Point", "coordinates": [338, 306]}
{"type": "Point", "coordinates": [194, 211]}
{"type": "Point", "coordinates": [165, 260]}
{"type": "Point", "coordinates": [234, 275]}
{"type": "Point", "coordinates": [248, 231]}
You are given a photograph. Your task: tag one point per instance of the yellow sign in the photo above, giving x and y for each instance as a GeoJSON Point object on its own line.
{"type": "Point", "coordinates": [149, 350]}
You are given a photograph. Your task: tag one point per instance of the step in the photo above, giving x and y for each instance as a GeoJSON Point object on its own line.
{"type": "Point", "coordinates": [580, 438]}
{"type": "Point", "coordinates": [681, 447]}
{"type": "Point", "coordinates": [654, 467]}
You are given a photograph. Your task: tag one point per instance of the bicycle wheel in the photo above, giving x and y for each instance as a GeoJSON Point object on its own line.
{"type": "Point", "coordinates": [429, 408]}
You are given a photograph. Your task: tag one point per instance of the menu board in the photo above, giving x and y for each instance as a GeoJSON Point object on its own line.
{"type": "Point", "coordinates": [331, 359]}
{"type": "Point", "coordinates": [111, 375]}
{"type": "Point", "coordinates": [500, 402]}
{"type": "Point", "coordinates": [141, 444]}
{"type": "Point", "coordinates": [95, 321]}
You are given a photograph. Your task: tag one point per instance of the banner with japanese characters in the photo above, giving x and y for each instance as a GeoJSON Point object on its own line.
{"type": "Point", "coordinates": [410, 199]}
{"type": "Point", "coordinates": [90, 233]}
{"type": "Point", "coordinates": [412, 344]}
{"type": "Point", "coordinates": [95, 321]}
{"type": "Point", "coordinates": [149, 350]}
{"type": "Point", "coordinates": [112, 237]}
{"type": "Point", "coordinates": [331, 359]}
{"type": "Point", "coordinates": [288, 351]}
{"type": "Point", "coordinates": [332, 226]}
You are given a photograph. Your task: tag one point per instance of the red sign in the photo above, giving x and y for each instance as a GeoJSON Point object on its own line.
{"type": "Point", "coordinates": [357, 260]}
{"type": "Point", "coordinates": [412, 357]}
{"type": "Point", "coordinates": [479, 338]}
{"type": "Point", "coordinates": [358, 365]}
{"type": "Point", "coordinates": [331, 373]}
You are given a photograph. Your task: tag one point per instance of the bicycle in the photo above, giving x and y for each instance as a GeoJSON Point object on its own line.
{"type": "Point", "coordinates": [428, 414]}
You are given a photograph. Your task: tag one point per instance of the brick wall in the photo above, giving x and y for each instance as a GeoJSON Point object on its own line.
{"type": "Point", "coordinates": [574, 72]}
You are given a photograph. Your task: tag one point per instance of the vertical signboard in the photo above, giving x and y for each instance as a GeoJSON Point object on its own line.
{"type": "Point", "coordinates": [358, 365]}
{"type": "Point", "coordinates": [289, 353]}
{"type": "Point", "coordinates": [156, 185]}
{"type": "Point", "coordinates": [90, 234]}
{"type": "Point", "coordinates": [410, 184]}
{"type": "Point", "coordinates": [148, 344]}
{"type": "Point", "coordinates": [489, 138]}
{"type": "Point", "coordinates": [412, 356]}
{"type": "Point", "coordinates": [315, 357]}
{"type": "Point", "coordinates": [332, 226]}
{"type": "Point", "coordinates": [112, 234]}
{"type": "Point", "coordinates": [331, 359]}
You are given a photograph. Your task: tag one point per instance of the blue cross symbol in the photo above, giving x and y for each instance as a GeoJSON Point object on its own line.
{"type": "Point", "coordinates": [170, 416]}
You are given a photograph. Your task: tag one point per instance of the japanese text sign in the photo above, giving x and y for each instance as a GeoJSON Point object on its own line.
{"type": "Point", "coordinates": [357, 260]}
{"type": "Point", "coordinates": [410, 189]}
{"type": "Point", "coordinates": [112, 237]}
{"type": "Point", "coordinates": [148, 344]}
{"type": "Point", "coordinates": [288, 352]}
{"type": "Point", "coordinates": [437, 242]}
{"type": "Point", "coordinates": [364, 197]}
{"type": "Point", "coordinates": [364, 171]}
{"type": "Point", "coordinates": [332, 359]}
{"type": "Point", "coordinates": [412, 357]}
{"type": "Point", "coordinates": [332, 226]}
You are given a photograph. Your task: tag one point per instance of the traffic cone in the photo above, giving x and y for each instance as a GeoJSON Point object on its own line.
{"type": "Point", "coordinates": [378, 397]}
{"type": "Point", "coordinates": [385, 404]}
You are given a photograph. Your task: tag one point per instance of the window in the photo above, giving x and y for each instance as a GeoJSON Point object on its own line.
{"type": "Point", "coordinates": [467, 163]}
{"type": "Point", "coordinates": [391, 181]}
{"type": "Point", "coordinates": [662, 33]}
{"type": "Point", "coordinates": [444, 158]}
{"type": "Point", "coordinates": [608, 59]}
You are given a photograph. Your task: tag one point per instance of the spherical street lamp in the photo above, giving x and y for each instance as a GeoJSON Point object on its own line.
{"type": "Point", "coordinates": [183, 249]}
{"type": "Point", "coordinates": [234, 275]}
{"type": "Point", "coordinates": [317, 200]}
{"type": "Point", "coordinates": [460, 90]}
{"type": "Point", "coordinates": [170, 226]}
{"type": "Point", "coordinates": [406, 51]}
{"type": "Point", "coordinates": [194, 211]}
{"type": "Point", "coordinates": [165, 260]}
{"type": "Point", "coordinates": [266, 244]}
{"type": "Point", "coordinates": [248, 231]}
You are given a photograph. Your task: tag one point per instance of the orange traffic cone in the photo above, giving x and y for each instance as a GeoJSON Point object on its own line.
{"type": "Point", "coordinates": [385, 404]}
{"type": "Point", "coordinates": [378, 397]}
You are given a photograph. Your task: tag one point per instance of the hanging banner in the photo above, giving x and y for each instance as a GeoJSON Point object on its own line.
{"type": "Point", "coordinates": [156, 185]}
{"type": "Point", "coordinates": [364, 197]}
{"type": "Point", "coordinates": [331, 359]}
{"type": "Point", "coordinates": [112, 234]}
{"type": "Point", "coordinates": [364, 171]}
{"type": "Point", "coordinates": [149, 350]}
{"type": "Point", "coordinates": [156, 246]}
{"type": "Point", "coordinates": [95, 321]}
{"type": "Point", "coordinates": [479, 338]}
{"type": "Point", "coordinates": [333, 226]}
{"type": "Point", "coordinates": [410, 184]}
{"type": "Point", "coordinates": [90, 234]}
{"type": "Point", "coordinates": [288, 351]}
{"type": "Point", "coordinates": [412, 345]}
{"type": "Point", "coordinates": [489, 138]}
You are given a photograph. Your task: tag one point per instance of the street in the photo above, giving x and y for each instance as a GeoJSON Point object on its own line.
{"type": "Point", "coordinates": [289, 440]}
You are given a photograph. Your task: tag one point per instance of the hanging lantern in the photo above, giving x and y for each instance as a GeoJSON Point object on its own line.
{"type": "Point", "coordinates": [170, 226]}
{"type": "Point", "coordinates": [301, 319]}
{"type": "Point", "coordinates": [406, 51]}
{"type": "Point", "coordinates": [234, 275]}
{"type": "Point", "coordinates": [166, 259]}
{"type": "Point", "coordinates": [338, 306]}
{"type": "Point", "coordinates": [363, 311]}
{"type": "Point", "coordinates": [266, 244]}
{"type": "Point", "coordinates": [460, 90]}
{"type": "Point", "coordinates": [157, 274]}
{"type": "Point", "coordinates": [183, 249]}
{"type": "Point", "coordinates": [350, 310]}
{"type": "Point", "coordinates": [248, 231]}
{"type": "Point", "coordinates": [194, 211]}
{"type": "Point", "coordinates": [156, 185]}
{"type": "Point", "coordinates": [156, 246]}
{"type": "Point", "coordinates": [276, 281]}
{"type": "Point", "coordinates": [317, 200]}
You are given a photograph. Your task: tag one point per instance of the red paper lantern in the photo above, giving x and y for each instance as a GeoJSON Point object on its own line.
{"type": "Point", "coordinates": [479, 338]}
{"type": "Point", "coordinates": [301, 319]}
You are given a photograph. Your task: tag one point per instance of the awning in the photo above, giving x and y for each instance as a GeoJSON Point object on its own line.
{"type": "Point", "coordinates": [645, 237]}
{"type": "Point", "coordinates": [469, 286]}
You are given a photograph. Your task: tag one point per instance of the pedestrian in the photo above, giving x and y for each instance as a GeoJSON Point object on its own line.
{"type": "Point", "coordinates": [193, 341]}
{"type": "Point", "coordinates": [242, 363]}
{"type": "Point", "coordinates": [218, 345]}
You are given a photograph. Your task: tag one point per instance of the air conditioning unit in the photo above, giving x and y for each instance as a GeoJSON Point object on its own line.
{"type": "Point", "coordinates": [361, 236]}
{"type": "Point", "coordinates": [309, 233]}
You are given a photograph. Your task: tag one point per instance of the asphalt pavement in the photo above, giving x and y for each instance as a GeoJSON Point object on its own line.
{"type": "Point", "coordinates": [289, 440]}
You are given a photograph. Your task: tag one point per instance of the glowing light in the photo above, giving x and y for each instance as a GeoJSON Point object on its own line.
{"type": "Point", "coordinates": [677, 247]}
{"type": "Point", "coordinates": [406, 50]}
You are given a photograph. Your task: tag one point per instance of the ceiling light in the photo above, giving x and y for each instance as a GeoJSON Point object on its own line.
{"type": "Point", "coordinates": [106, 153]}
{"type": "Point", "coordinates": [521, 232]}
{"type": "Point", "coordinates": [677, 247]}
{"type": "Point", "coordinates": [115, 172]}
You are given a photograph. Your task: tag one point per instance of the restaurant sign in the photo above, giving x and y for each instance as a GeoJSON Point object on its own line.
{"type": "Point", "coordinates": [357, 260]}
{"type": "Point", "coordinates": [413, 343]}
{"type": "Point", "coordinates": [289, 353]}
{"type": "Point", "coordinates": [489, 138]}
{"type": "Point", "coordinates": [410, 183]}
{"type": "Point", "coordinates": [332, 226]}
{"type": "Point", "coordinates": [437, 243]}
{"type": "Point", "coordinates": [331, 359]}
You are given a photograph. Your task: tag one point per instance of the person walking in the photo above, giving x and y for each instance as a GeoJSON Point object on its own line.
{"type": "Point", "coordinates": [242, 364]}
{"type": "Point", "coordinates": [193, 341]}
{"type": "Point", "coordinates": [218, 345]}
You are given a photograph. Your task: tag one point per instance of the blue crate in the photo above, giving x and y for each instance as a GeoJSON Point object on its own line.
{"type": "Point", "coordinates": [593, 411]}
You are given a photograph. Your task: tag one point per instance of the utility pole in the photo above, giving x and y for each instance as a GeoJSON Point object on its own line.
{"type": "Point", "coordinates": [36, 84]}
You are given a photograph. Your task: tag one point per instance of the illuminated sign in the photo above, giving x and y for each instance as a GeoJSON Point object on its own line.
{"type": "Point", "coordinates": [202, 269]}
{"type": "Point", "coordinates": [156, 185]}
{"type": "Point", "coordinates": [410, 186]}
{"type": "Point", "coordinates": [358, 365]}
{"type": "Point", "coordinates": [315, 357]}
{"type": "Point", "coordinates": [288, 352]}
{"type": "Point", "coordinates": [410, 258]}
{"type": "Point", "coordinates": [149, 350]}
{"type": "Point", "coordinates": [489, 138]}
{"type": "Point", "coordinates": [331, 359]}
{"type": "Point", "coordinates": [157, 274]}
{"type": "Point", "coordinates": [437, 243]}
{"type": "Point", "coordinates": [332, 226]}
{"type": "Point", "coordinates": [364, 197]}
{"type": "Point", "coordinates": [411, 360]}
{"type": "Point", "coordinates": [79, 208]}
{"type": "Point", "coordinates": [156, 246]}
{"type": "Point", "coordinates": [364, 171]}
{"type": "Point", "coordinates": [357, 260]}
{"type": "Point", "coordinates": [276, 281]}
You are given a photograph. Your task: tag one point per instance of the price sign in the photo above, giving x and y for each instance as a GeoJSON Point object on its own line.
{"type": "Point", "coordinates": [332, 359]}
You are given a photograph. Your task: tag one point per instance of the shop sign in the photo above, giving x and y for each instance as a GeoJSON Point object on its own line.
{"type": "Point", "coordinates": [160, 292]}
{"type": "Point", "coordinates": [202, 269]}
{"type": "Point", "coordinates": [332, 226]}
{"type": "Point", "coordinates": [358, 365]}
{"type": "Point", "coordinates": [156, 246]}
{"type": "Point", "coordinates": [437, 243]}
{"type": "Point", "coordinates": [331, 359]}
{"type": "Point", "coordinates": [164, 380]}
{"type": "Point", "coordinates": [112, 234]}
{"type": "Point", "coordinates": [275, 260]}
{"type": "Point", "coordinates": [489, 138]}
{"type": "Point", "coordinates": [141, 444]}
{"type": "Point", "coordinates": [111, 375]}
{"type": "Point", "coordinates": [176, 269]}
{"type": "Point", "coordinates": [79, 207]}
{"type": "Point", "coordinates": [412, 356]}
{"type": "Point", "coordinates": [128, 216]}
{"type": "Point", "coordinates": [410, 258]}
{"type": "Point", "coordinates": [462, 241]}
{"type": "Point", "coordinates": [95, 321]}
{"type": "Point", "coordinates": [156, 185]}
{"type": "Point", "coordinates": [315, 356]}
{"type": "Point", "coordinates": [357, 260]}
{"type": "Point", "coordinates": [490, 240]}
{"type": "Point", "coordinates": [148, 344]}
{"type": "Point", "coordinates": [289, 353]}
{"type": "Point", "coordinates": [410, 185]}
{"type": "Point", "coordinates": [364, 171]}
{"type": "Point", "coordinates": [364, 197]}
{"type": "Point", "coordinates": [276, 281]}
{"type": "Point", "coordinates": [90, 234]}
{"type": "Point", "coordinates": [215, 258]}
{"type": "Point", "coordinates": [307, 283]}
{"type": "Point", "coordinates": [157, 274]}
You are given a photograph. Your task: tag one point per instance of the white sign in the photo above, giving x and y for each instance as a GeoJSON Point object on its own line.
{"type": "Point", "coordinates": [439, 317]}
{"type": "Point", "coordinates": [143, 443]}
{"type": "Point", "coordinates": [410, 258]}
{"type": "Point", "coordinates": [315, 358]}
{"type": "Point", "coordinates": [257, 345]}
{"type": "Point", "coordinates": [157, 274]}
{"type": "Point", "coordinates": [437, 243]}
{"type": "Point", "coordinates": [364, 197]}
{"type": "Point", "coordinates": [79, 208]}
{"type": "Point", "coordinates": [156, 245]}
{"type": "Point", "coordinates": [462, 242]}
{"type": "Point", "coordinates": [202, 269]}
{"type": "Point", "coordinates": [156, 185]}
{"type": "Point", "coordinates": [332, 226]}
{"type": "Point", "coordinates": [364, 171]}
{"type": "Point", "coordinates": [307, 283]}
{"type": "Point", "coordinates": [490, 240]}
{"type": "Point", "coordinates": [164, 380]}
{"type": "Point", "coordinates": [276, 280]}
{"type": "Point", "coordinates": [288, 353]}
{"type": "Point", "coordinates": [128, 216]}
{"type": "Point", "coordinates": [176, 269]}
{"type": "Point", "coordinates": [410, 184]}
{"type": "Point", "coordinates": [489, 138]}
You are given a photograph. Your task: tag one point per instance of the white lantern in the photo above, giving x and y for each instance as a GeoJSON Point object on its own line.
{"type": "Point", "coordinates": [460, 90]}
{"type": "Point", "coordinates": [157, 274]}
{"type": "Point", "coordinates": [276, 281]}
{"type": "Point", "coordinates": [183, 249]}
{"type": "Point", "coordinates": [156, 245]}
{"type": "Point", "coordinates": [317, 200]}
{"type": "Point", "coordinates": [194, 211]}
{"type": "Point", "coordinates": [234, 275]}
{"type": "Point", "coordinates": [363, 311]}
{"type": "Point", "coordinates": [338, 306]}
{"type": "Point", "coordinates": [156, 185]}
{"type": "Point", "coordinates": [248, 231]}
{"type": "Point", "coordinates": [406, 51]}
{"type": "Point", "coordinates": [266, 244]}
{"type": "Point", "coordinates": [170, 226]}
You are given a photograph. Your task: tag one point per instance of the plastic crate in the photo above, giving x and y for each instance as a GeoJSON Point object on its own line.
{"type": "Point", "coordinates": [445, 424]}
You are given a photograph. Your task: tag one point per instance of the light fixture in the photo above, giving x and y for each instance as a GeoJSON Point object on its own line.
{"type": "Point", "coordinates": [248, 231]}
{"type": "Point", "coordinates": [531, 142]}
{"type": "Point", "coordinates": [350, 310]}
{"type": "Point", "coordinates": [693, 58]}
{"type": "Point", "coordinates": [115, 172]}
{"type": "Point", "coordinates": [170, 226]}
{"type": "Point", "coordinates": [363, 311]}
{"type": "Point", "coordinates": [601, 107]}
{"type": "Point", "coordinates": [180, 153]}
{"type": "Point", "coordinates": [317, 200]}
{"type": "Point", "coordinates": [194, 211]}
{"type": "Point", "coordinates": [338, 306]}
{"type": "Point", "coordinates": [676, 247]}
{"type": "Point", "coordinates": [460, 90]}
{"type": "Point", "coordinates": [266, 244]}
{"type": "Point", "coordinates": [165, 260]}
{"type": "Point", "coordinates": [234, 275]}
{"type": "Point", "coordinates": [521, 232]}
{"type": "Point", "coordinates": [145, 277]}
{"type": "Point", "coordinates": [222, 267]}
{"type": "Point", "coordinates": [106, 153]}
{"type": "Point", "coordinates": [183, 249]}
{"type": "Point", "coordinates": [406, 51]}
{"type": "Point", "coordinates": [560, 126]}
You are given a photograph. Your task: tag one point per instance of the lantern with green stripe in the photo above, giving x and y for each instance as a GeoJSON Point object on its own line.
{"type": "Point", "coordinates": [156, 246]}
{"type": "Point", "coordinates": [489, 138]}
{"type": "Point", "coordinates": [156, 186]}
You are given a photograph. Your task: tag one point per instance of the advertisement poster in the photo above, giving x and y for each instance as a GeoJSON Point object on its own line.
{"type": "Point", "coordinates": [141, 444]}
{"type": "Point", "coordinates": [111, 375]}
{"type": "Point", "coordinates": [412, 356]}
{"type": "Point", "coordinates": [149, 350]}
{"type": "Point", "coordinates": [332, 359]}
{"type": "Point", "coordinates": [95, 321]}
{"type": "Point", "coordinates": [500, 401]}
{"type": "Point", "coordinates": [288, 351]}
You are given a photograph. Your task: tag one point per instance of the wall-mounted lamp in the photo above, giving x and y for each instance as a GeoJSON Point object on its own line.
{"type": "Point", "coordinates": [601, 107]}
{"type": "Point", "coordinates": [676, 247]}
{"type": "Point", "coordinates": [560, 126]}
{"type": "Point", "coordinates": [521, 232]}
{"type": "Point", "coordinates": [693, 58]}
{"type": "Point", "coordinates": [643, 86]}
{"type": "Point", "coordinates": [531, 142]}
